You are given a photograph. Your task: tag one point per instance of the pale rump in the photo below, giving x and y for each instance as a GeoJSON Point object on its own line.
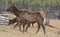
{"type": "Point", "coordinates": [44, 16]}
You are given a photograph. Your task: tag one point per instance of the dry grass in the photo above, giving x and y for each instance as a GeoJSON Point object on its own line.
{"type": "Point", "coordinates": [7, 31]}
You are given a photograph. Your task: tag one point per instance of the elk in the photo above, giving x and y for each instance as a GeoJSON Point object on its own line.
{"type": "Point", "coordinates": [12, 21]}
{"type": "Point", "coordinates": [21, 22]}
{"type": "Point", "coordinates": [28, 17]}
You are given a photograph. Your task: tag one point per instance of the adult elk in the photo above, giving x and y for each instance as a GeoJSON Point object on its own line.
{"type": "Point", "coordinates": [29, 16]}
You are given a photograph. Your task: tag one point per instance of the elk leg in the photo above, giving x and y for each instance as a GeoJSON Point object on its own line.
{"type": "Point", "coordinates": [20, 27]}
{"type": "Point", "coordinates": [16, 25]}
{"type": "Point", "coordinates": [38, 27]}
{"type": "Point", "coordinates": [28, 25]}
{"type": "Point", "coordinates": [32, 24]}
{"type": "Point", "coordinates": [43, 28]}
{"type": "Point", "coordinates": [23, 27]}
{"type": "Point", "coordinates": [39, 22]}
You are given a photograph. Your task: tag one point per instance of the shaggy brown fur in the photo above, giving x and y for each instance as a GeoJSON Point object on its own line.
{"type": "Point", "coordinates": [30, 16]}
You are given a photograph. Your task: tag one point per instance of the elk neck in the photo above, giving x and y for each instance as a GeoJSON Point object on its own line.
{"type": "Point", "coordinates": [17, 12]}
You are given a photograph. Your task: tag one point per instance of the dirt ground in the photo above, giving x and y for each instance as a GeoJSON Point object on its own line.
{"type": "Point", "coordinates": [8, 31]}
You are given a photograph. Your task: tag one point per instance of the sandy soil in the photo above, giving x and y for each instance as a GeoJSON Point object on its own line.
{"type": "Point", "coordinates": [8, 31]}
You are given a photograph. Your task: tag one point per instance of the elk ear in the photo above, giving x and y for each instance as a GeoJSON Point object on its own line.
{"type": "Point", "coordinates": [13, 4]}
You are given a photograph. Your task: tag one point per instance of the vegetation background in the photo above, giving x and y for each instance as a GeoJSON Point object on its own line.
{"type": "Point", "coordinates": [45, 5]}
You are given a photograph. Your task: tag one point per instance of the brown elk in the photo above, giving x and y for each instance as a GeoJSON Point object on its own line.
{"type": "Point", "coordinates": [30, 16]}
{"type": "Point", "coordinates": [19, 22]}
{"type": "Point", "coordinates": [12, 21]}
